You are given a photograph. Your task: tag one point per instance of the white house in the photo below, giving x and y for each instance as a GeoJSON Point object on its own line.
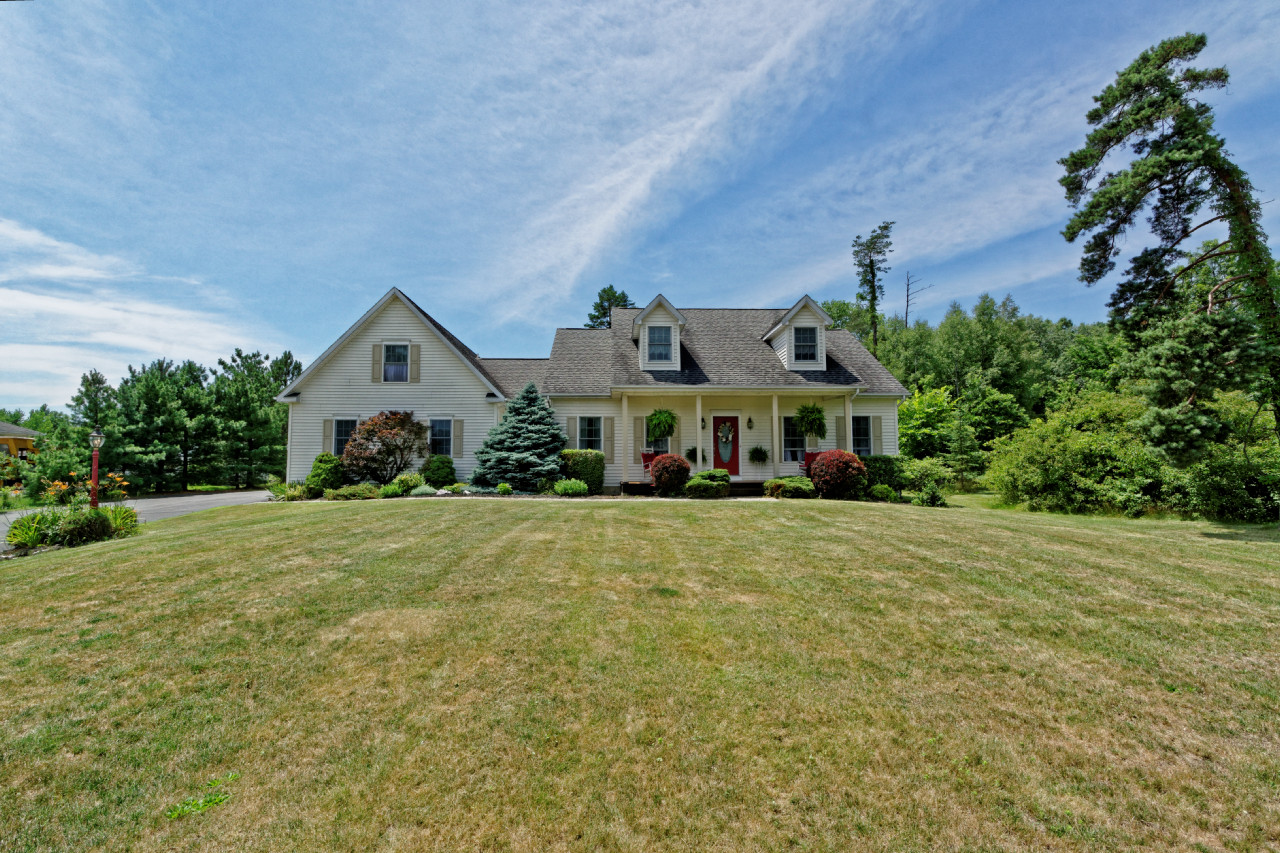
{"type": "Point", "coordinates": [728, 373]}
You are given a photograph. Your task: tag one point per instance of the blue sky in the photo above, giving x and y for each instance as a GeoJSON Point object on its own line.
{"type": "Point", "coordinates": [181, 179]}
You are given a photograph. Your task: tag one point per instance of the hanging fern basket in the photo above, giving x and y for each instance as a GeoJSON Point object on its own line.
{"type": "Point", "coordinates": [811, 419]}
{"type": "Point", "coordinates": [661, 424]}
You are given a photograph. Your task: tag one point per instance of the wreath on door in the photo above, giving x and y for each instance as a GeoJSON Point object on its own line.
{"type": "Point", "coordinates": [725, 434]}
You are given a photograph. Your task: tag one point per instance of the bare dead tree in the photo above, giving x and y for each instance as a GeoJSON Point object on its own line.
{"type": "Point", "coordinates": [913, 293]}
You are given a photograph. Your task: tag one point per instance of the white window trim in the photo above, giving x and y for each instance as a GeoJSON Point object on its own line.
{"type": "Point", "coordinates": [581, 419]}
{"type": "Point", "coordinates": [408, 371]}
{"type": "Point", "coordinates": [428, 419]}
{"type": "Point", "coordinates": [671, 344]}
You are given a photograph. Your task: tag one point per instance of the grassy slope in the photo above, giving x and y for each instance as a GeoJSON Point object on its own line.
{"type": "Point", "coordinates": [535, 675]}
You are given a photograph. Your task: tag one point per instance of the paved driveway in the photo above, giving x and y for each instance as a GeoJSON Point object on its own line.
{"type": "Point", "coordinates": [151, 509]}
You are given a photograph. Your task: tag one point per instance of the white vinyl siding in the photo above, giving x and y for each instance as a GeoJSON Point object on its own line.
{"type": "Point", "coordinates": [341, 387]}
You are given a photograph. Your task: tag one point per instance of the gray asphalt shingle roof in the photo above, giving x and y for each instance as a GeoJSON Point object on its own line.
{"type": "Point", "coordinates": [8, 430]}
{"type": "Point", "coordinates": [720, 348]}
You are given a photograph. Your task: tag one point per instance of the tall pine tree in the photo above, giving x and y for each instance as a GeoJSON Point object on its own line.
{"type": "Point", "coordinates": [870, 257]}
{"type": "Point", "coordinates": [524, 447]}
{"type": "Point", "coordinates": [1182, 174]}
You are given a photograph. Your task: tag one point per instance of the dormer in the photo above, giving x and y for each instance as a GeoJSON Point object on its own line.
{"type": "Point", "coordinates": [656, 331]}
{"type": "Point", "coordinates": [800, 337]}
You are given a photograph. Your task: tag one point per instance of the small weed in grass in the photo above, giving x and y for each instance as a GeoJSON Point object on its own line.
{"type": "Point", "coordinates": [214, 796]}
{"type": "Point", "coordinates": [664, 591]}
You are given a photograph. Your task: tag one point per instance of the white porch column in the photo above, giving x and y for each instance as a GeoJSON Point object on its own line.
{"type": "Point", "coordinates": [848, 422]}
{"type": "Point", "coordinates": [776, 432]}
{"type": "Point", "coordinates": [626, 445]}
{"type": "Point", "coordinates": [697, 425]}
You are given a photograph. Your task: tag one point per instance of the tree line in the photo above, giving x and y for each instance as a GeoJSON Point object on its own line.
{"type": "Point", "coordinates": [170, 425]}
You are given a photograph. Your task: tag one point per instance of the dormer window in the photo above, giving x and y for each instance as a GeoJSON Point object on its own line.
{"type": "Point", "coordinates": [807, 343]}
{"type": "Point", "coordinates": [659, 343]}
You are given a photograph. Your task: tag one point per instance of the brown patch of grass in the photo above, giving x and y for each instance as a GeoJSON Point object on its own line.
{"type": "Point", "coordinates": [645, 675]}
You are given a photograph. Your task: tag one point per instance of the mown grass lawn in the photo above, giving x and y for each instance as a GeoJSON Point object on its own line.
{"type": "Point", "coordinates": [635, 675]}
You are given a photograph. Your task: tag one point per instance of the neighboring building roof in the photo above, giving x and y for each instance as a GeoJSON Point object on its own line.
{"type": "Point", "coordinates": [721, 347]}
{"type": "Point", "coordinates": [512, 374]}
{"type": "Point", "coordinates": [8, 430]}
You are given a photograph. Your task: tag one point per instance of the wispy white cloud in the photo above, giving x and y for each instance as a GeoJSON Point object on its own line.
{"type": "Point", "coordinates": [69, 310]}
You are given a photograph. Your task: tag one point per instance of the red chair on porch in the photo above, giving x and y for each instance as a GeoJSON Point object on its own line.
{"type": "Point", "coordinates": [646, 459]}
{"type": "Point", "coordinates": [809, 456]}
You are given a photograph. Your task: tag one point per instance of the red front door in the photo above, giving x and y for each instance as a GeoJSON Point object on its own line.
{"type": "Point", "coordinates": [724, 443]}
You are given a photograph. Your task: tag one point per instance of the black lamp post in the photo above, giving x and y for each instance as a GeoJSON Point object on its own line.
{"type": "Point", "coordinates": [95, 441]}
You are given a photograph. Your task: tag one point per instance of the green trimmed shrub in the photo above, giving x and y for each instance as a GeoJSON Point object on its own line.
{"type": "Point", "coordinates": [456, 488]}
{"type": "Point", "coordinates": [883, 493]}
{"type": "Point", "coordinates": [919, 473]}
{"type": "Point", "coordinates": [884, 470]}
{"type": "Point", "coordinates": [706, 488]}
{"type": "Point", "coordinates": [357, 492]}
{"type": "Point", "coordinates": [670, 473]}
{"type": "Point", "coordinates": [81, 525]}
{"type": "Point", "coordinates": [716, 475]}
{"type": "Point", "coordinates": [584, 465]}
{"type": "Point", "coordinates": [790, 487]}
{"type": "Point", "coordinates": [423, 490]}
{"type": "Point", "coordinates": [571, 489]}
{"type": "Point", "coordinates": [505, 489]}
{"type": "Point", "coordinates": [838, 475]}
{"type": "Point", "coordinates": [326, 474]}
{"type": "Point", "coordinates": [288, 491]}
{"type": "Point", "coordinates": [438, 471]}
{"type": "Point", "coordinates": [408, 482]}
{"type": "Point", "coordinates": [390, 490]}
{"type": "Point", "coordinates": [930, 495]}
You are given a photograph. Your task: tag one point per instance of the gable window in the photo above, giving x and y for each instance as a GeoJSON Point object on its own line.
{"type": "Point", "coordinates": [659, 343]}
{"type": "Point", "coordinates": [395, 363]}
{"type": "Point", "coordinates": [861, 443]}
{"type": "Point", "coordinates": [342, 430]}
{"type": "Point", "coordinates": [792, 441]}
{"type": "Point", "coordinates": [806, 343]}
{"type": "Point", "coordinates": [441, 437]}
{"type": "Point", "coordinates": [590, 434]}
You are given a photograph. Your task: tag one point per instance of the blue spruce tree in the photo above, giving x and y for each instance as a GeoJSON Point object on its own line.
{"type": "Point", "coordinates": [524, 447]}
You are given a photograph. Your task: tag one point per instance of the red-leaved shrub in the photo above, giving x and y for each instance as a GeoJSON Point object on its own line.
{"type": "Point", "coordinates": [838, 475]}
{"type": "Point", "coordinates": [670, 473]}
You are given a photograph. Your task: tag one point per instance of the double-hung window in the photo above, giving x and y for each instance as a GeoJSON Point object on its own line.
{"type": "Point", "coordinates": [792, 441]}
{"type": "Point", "coordinates": [590, 434]}
{"type": "Point", "coordinates": [806, 343]}
{"type": "Point", "coordinates": [657, 445]}
{"type": "Point", "coordinates": [861, 443]}
{"type": "Point", "coordinates": [441, 437]}
{"type": "Point", "coordinates": [395, 363]}
{"type": "Point", "coordinates": [659, 343]}
{"type": "Point", "coordinates": [342, 429]}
